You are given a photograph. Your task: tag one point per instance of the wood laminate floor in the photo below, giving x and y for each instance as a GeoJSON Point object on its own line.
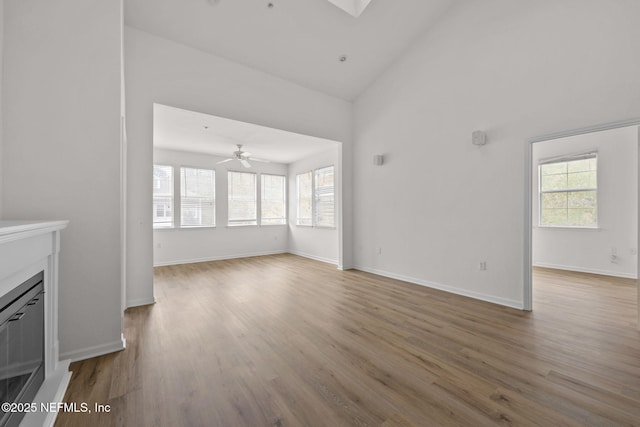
{"type": "Point", "coordinates": [286, 341]}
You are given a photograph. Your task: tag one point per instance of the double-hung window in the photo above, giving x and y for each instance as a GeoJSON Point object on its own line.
{"type": "Point", "coordinates": [324, 199]}
{"type": "Point", "coordinates": [569, 191]}
{"type": "Point", "coordinates": [316, 197]}
{"type": "Point", "coordinates": [162, 196]}
{"type": "Point", "coordinates": [243, 209]}
{"type": "Point", "coordinates": [304, 190]}
{"type": "Point", "coordinates": [273, 204]}
{"type": "Point", "coordinates": [197, 197]}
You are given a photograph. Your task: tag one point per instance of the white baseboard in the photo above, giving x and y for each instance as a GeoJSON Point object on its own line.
{"type": "Point", "coordinates": [314, 257]}
{"type": "Point", "coordinates": [217, 258]}
{"type": "Point", "coordinates": [586, 270]}
{"type": "Point", "coordinates": [476, 295]}
{"type": "Point", "coordinates": [140, 301]}
{"type": "Point", "coordinates": [98, 350]}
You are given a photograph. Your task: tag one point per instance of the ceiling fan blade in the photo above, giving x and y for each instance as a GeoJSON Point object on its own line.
{"type": "Point", "coordinates": [255, 159]}
{"type": "Point", "coordinates": [224, 161]}
{"type": "Point", "coordinates": [245, 163]}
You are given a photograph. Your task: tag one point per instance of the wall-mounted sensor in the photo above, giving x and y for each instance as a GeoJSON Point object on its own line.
{"type": "Point", "coordinates": [378, 159]}
{"type": "Point", "coordinates": [479, 137]}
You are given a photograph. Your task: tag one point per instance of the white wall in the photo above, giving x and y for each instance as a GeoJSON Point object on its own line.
{"type": "Point", "coordinates": [312, 242]}
{"type": "Point", "coordinates": [439, 205]}
{"type": "Point", "coordinates": [61, 95]}
{"type": "Point", "coordinates": [1, 98]}
{"type": "Point", "coordinates": [589, 250]}
{"type": "Point", "coordinates": [179, 246]}
{"type": "Point", "coordinates": [158, 70]}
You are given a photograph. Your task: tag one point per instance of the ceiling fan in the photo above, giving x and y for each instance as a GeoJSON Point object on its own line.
{"type": "Point", "coordinates": [242, 157]}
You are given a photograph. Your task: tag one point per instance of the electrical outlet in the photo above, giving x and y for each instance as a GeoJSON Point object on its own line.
{"type": "Point", "coordinates": [482, 266]}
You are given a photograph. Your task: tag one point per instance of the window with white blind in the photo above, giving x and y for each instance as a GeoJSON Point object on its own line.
{"type": "Point", "coordinates": [568, 188]}
{"type": "Point", "coordinates": [324, 198]}
{"type": "Point", "coordinates": [242, 198]}
{"type": "Point", "coordinates": [273, 205]}
{"type": "Point", "coordinates": [304, 191]}
{"type": "Point", "coordinates": [316, 197]}
{"type": "Point", "coordinates": [197, 197]}
{"type": "Point", "coordinates": [162, 196]}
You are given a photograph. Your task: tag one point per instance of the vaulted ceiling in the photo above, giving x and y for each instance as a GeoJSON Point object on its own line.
{"type": "Point", "coordinates": [309, 42]}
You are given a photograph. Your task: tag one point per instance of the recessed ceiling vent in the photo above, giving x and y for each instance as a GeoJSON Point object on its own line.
{"type": "Point", "coordinates": [352, 7]}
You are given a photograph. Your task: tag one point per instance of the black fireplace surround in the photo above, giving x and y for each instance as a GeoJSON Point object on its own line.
{"type": "Point", "coordinates": [21, 347]}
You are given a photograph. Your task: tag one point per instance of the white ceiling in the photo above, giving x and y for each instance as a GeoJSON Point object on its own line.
{"type": "Point", "coordinates": [183, 130]}
{"type": "Point", "coordinates": [298, 40]}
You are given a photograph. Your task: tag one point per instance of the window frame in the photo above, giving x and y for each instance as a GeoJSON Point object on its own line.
{"type": "Point", "coordinates": [313, 220]}
{"type": "Point", "coordinates": [237, 223]}
{"type": "Point", "coordinates": [316, 198]}
{"type": "Point", "coordinates": [567, 159]}
{"type": "Point", "coordinates": [182, 197]}
{"type": "Point", "coordinates": [172, 201]}
{"type": "Point", "coordinates": [284, 200]}
{"type": "Point", "coordinates": [298, 198]}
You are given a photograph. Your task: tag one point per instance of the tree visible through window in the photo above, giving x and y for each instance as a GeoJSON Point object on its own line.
{"type": "Point", "coordinates": [569, 191]}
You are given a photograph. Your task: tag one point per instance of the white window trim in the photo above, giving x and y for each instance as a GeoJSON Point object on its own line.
{"type": "Point", "coordinates": [313, 199]}
{"type": "Point", "coordinates": [230, 223]}
{"type": "Point", "coordinates": [179, 200]}
{"type": "Point", "coordinates": [172, 225]}
{"type": "Point", "coordinates": [592, 154]}
{"type": "Point", "coordinates": [286, 210]}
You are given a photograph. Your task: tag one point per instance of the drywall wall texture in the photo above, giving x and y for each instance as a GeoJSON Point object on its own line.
{"type": "Point", "coordinates": [590, 250]}
{"type": "Point", "coordinates": [161, 71]}
{"type": "Point", "coordinates": [61, 95]}
{"type": "Point", "coordinates": [439, 205]}
{"type": "Point", "coordinates": [317, 243]}
{"type": "Point", "coordinates": [179, 246]}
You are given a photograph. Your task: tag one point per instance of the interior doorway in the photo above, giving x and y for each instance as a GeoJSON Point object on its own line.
{"type": "Point", "coordinates": [244, 174]}
{"type": "Point", "coordinates": [582, 203]}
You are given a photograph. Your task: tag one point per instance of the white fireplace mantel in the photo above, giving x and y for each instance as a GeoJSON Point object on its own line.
{"type": "Point", "coordinates": [26, 248]}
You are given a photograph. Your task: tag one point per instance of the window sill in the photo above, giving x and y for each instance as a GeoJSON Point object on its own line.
{"type": "Point", "coordinates": [197, 227]}
{"type": "Point", "coordinates": [566, 227]}
{"type": "Point", "coordinates": [203, 227]}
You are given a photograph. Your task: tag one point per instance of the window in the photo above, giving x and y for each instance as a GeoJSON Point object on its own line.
{"type": "Point", "coordinates": [569, 191]}
{"type": "Point", "coordinates": [304, 187]}
{"type": "Point", "coordinates": [242, 198]}
{"type": "Point", "coordinates": [162, 196]}
{"type": "Point", "coordinates": [316, 197]}
{"type": "Point", "coordinates": [324, 215]}
{"type": "Point", "coordinates": [273, 208]}
{"type": "Point", "coordinates": [197, 202]}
